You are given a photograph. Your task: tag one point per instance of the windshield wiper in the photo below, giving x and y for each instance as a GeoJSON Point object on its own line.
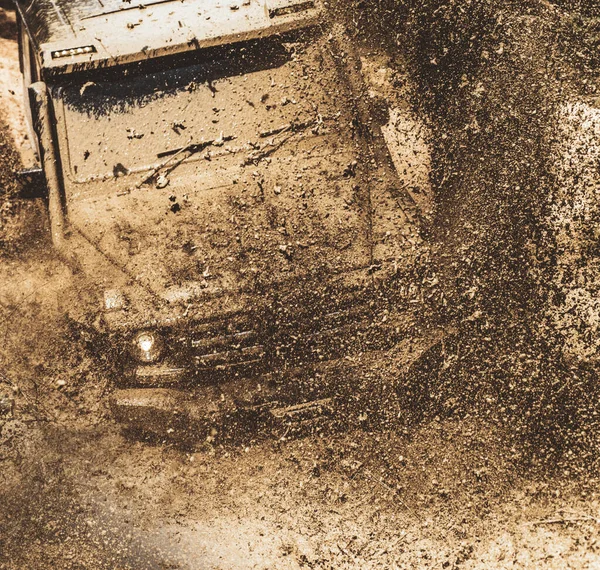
{"type": "Point", "coordinates": [294, 127]}
{"type": "Point", "coordinates": [290, 129]}
{"type": "Point", "coordinates": [193, 148]}
{"type": "Point", "coordinates": [180, 154]}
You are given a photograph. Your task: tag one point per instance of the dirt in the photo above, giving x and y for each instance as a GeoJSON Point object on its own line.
{"type": "Point", "coordinates": [491, 472]}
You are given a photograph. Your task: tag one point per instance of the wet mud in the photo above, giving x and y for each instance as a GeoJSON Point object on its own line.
{"type": "Point", "coordinates": [477, 451]}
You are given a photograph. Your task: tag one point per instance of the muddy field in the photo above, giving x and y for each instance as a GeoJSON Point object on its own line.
{"type": "Point", "coordinates": [493, 120]}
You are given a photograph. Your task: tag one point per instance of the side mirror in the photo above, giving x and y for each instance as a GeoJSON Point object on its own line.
{"type": "Point", "coordinates": [32, 183]}
{"type": "Point", "coordinates": [380, 110]}
{"type": "Point", "coordinates": [31, 179]}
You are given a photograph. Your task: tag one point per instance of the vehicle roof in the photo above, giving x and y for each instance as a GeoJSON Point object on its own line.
{"type": "Point", "coordinates": [116, 32]}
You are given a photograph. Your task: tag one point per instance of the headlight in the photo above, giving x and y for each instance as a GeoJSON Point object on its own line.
{"type": "Point", "coordinates": [148, 346]}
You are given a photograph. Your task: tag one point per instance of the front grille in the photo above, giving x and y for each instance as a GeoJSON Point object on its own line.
{"type": "Point", "coordinates": [235, 339]}
{"type": "Point", "coordinates": [224, 359]}
{"type": "Point", "coordinates": [224, 345]}
{"type": "Point", "coordinates": [248, 344]}
{"type": "Point", "coordinates": [160, 374]}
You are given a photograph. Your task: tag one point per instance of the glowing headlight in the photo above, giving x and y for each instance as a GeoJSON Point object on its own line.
{"type": "Point", "coordinates": [149, 346]}
{"type": "Point", "coordinates": [73, 51]}
{"type": "Point", "coordinates": [146, 342]}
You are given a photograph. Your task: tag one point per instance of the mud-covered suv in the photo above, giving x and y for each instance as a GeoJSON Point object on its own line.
{"type": "Point", "coordinates": [212, 170]}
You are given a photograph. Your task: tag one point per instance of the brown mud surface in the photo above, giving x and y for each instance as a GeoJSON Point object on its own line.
{"type": "Point", "coordinates": [464, 487]}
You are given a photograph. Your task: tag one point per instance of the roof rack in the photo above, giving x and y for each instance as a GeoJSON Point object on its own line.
{"type": "Point", "coordinates": [71, 36]}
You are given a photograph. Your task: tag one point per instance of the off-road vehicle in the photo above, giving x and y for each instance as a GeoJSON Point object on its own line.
{"type": "Point", "coordinates": [212, 170]}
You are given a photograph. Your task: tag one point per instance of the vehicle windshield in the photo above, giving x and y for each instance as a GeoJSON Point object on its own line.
{"type": "Point", "coordinates": [235, 101]}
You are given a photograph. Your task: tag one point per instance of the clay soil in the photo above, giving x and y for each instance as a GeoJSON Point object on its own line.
{"type": "Point", "coordinates": [459, 487]}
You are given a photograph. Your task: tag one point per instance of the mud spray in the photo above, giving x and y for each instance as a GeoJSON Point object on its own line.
{"type": "Point", "coordinates": [508, 90]}
{"type": "Point", "coordinates": [508, 93]}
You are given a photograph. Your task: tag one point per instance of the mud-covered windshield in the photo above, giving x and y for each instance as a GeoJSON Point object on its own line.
{"type": "Point", "coordinates": [234, 101]}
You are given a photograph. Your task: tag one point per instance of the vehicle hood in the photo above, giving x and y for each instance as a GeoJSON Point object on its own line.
{"type": "Point", "coordinates": [226, 224]}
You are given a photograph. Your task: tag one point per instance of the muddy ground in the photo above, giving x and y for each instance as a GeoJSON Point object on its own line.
{"type": "Point", "coordinates": [480, 478]}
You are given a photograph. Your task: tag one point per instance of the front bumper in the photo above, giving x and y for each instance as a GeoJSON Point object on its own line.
{"type": "Point", "coordinates": [221, 408]}
{"type": "Point", "coordinates": [262, 363]}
